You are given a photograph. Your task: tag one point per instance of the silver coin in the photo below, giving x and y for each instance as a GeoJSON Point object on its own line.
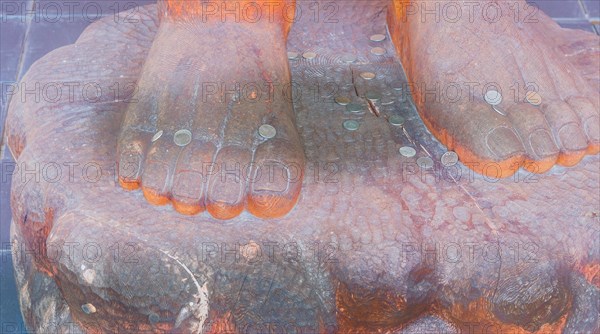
{"type": "Point", "coordinates": [354, 107]}
{"type": "Point", "coordinates": [351, 125]}
{"type": "Point", "coordinates": [377, 37]}
{"type": "Point", "coordinates": [407, 151]}
{"type": "Point", "coordinates": [378, 51]}
{"type": "Point", "coordinates": [157, 136]}
{"type": "Point", "coordinates": [293, 55]}
{"type": "Point", "coordinates": [497, 109]}
{"type": "Point", "coordinates": [309, 55]}
{"type": "Point", "coordinates": [387, 101]}
{"type": "Point", "coordinates": [182, 137]}
{"type": "Point", "coordinates": [449, 158]}
{"type": "Point", "coordinates": [367, 75]}
{"type": "Point", "coordinates": [267, 131]}
{"type": "Point", "coordinates": [373, 96]}
{"type": "Point", "coordinates": [396, 120]}
{"type": "Point", "coordinates": [348, 58]}
{"type": "Point", "coordinates": [397, 85]}
{"type": "Point", "coordinates": [342, 100]}
{"type": "Point", "coordinates": [493, 97]}
{"type": "Point", "coordinates": [533, 98]}
{"type": "Point", "coordinates": [425, 162]}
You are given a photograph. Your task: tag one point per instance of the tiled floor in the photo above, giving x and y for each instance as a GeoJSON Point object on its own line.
{"type": "Point", "coordinates": [29, 29]}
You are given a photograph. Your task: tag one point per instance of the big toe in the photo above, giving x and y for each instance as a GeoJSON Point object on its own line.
{"type": "Point", "coordinates": [276, 178]}
{"type": "Point", "coordinates": [565, 125]}
{"type": "Point", "coordinates": [537, 139]}
{"type": "Point", "coordinates": [227, 184]}
{"type": "Point", "coordinates": [589, 114]}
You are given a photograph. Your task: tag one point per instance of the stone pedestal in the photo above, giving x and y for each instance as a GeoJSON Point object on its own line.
{"type": "Point", "coordinates": [375, 242]}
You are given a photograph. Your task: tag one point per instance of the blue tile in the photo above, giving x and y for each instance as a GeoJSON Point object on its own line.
{"type": "Point", "coordinates": [592, 8]}
{"type": "Point", "coordinates": [7, 167]}
{"type": "Point", "coordinates": [582, 25]}
{"type": "Point", "coordinates": [12, 35]}
{"type": "Point", "coordinates": [11, 320]}
{"type": "Point", "coordinates": [91, 10]}
{"type": "Point", "coordinates": [45, 36]}
{"type": "Point", "coordinates": [15, 8]}
{"type": "Point", "coordinates": [558, 9]}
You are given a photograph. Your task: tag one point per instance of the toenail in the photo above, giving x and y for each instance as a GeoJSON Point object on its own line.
{"type": "Point", "coordinates": [342, 100]}
{"type": "Point", "coordinates": [157, 136]}
{"type": "Point", "coordinates": [351, 125]}
{"type": "Point", "coordinates": [449, 159]}
{"type": "Point", "coordinates": [267, 131]}
{"type": "Point", "coordinates": [274, 178]}
{"type": "Point", "coordinates": [130, 165]}
{"type": "Point", "coordinates": [542, 144]}
{"type": "Point", "coordinates": [182, 138]}
{"type": "Point", "coordinates": [425, 162]}
{"type": "Point", "coordinates": [533, 98]}
{"type": "Point", "coordinates": [396, 120]}
{"type": "Point", "coordinates": [354, 107]}
{"type": "Point", "coordinates": [309, 55]}
{"type": "Point", "coordinates": [367, 75]}
{"type": "Point", "coordinates": [504, 143]}
{"type": "Point", "coordinates": [373, 96]}
{"type": "Point", "coordinates": [407, 151]}
{"type": "Point", "coordinates": [592, 128]}
{"type": "Point", "coordinates": [378, 51]}
{"type": "Point", "coordinates": [293, 55]}
{"type": "Point", "coordinates": [377, 37]}
{"type": "Point", "coordinates": [572, 138]}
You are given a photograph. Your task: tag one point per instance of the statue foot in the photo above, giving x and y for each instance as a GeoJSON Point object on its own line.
{"type": "Point", "coordinates": [498, 92]}
{"type": "Point", "coordinates": [211, 128]}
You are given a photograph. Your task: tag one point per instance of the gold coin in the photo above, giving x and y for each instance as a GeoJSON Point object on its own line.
{"type": "Point", "coordinates": [367, 75]}
{"type": "Point", "coordinates": [533, 98]}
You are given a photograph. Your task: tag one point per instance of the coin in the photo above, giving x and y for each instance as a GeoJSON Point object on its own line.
{"type": "Point", "coordinates": [493, 97]}
{"type": "Point", "coordinates": [267, 131]}
{"type": "Point", "coordinates": [372, 96]}
{"type": "Point", "coordinates": [348, 58]}
{"type": "Point", "coordinates": [387, 101]}
{"type": "Point", "coordinates": [377, 37]}
{"type": "Point", "coordinates": [407, 151]}
{"type": "Point", "coordinates": [309, 55]}
{"type": "Point", "coordinates": [88, 308]}
{"type": "Point", "coordinates": [396, 120]}
{"type": "Point", "coordinates": [425, 162]}
{"type": "Point", "coordinates": [182, 137]}
{"type": "Point", "coordinates": [378, 51]}
{"type": "Point", "coordinates": [533, 98]}
{"type": "Point", "coordinates": [354, 107]}
{"type": "Point", "coordinates": [293, 55]}
{"type": "Point", "coordinates": [397, 85]}
{"type": "Point", "coordinates": [367, 75]}
{"type": "Point", "coordinates": [342, 100]}
{"type": "Point", "coordinates": [157, 136]}
{"type": "Point", "coordinates": [351, 125]}
{"type": "Point", "coordinates": [449, 158]}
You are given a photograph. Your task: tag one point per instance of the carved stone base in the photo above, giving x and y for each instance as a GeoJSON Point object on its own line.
{"type": "Point", "coordinates": [375, 243]}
